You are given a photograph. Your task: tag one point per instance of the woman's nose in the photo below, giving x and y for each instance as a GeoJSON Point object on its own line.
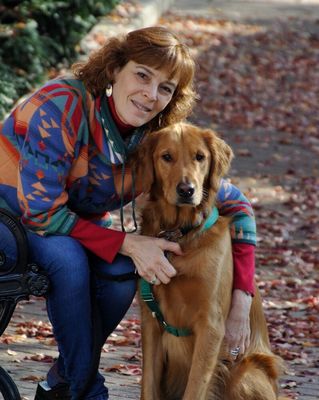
{"type": "Point", "coordinates": [151, 92]}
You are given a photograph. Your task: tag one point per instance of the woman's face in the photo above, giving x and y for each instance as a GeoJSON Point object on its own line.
{"type": "Point", "coordinates": [141, 92]}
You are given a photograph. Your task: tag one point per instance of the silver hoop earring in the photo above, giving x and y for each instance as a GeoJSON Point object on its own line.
{"type": "Point", "coordinates": [109, 90]}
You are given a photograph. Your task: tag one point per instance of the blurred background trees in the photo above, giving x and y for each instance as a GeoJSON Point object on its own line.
{"type": "Point", "coordinates": [36, 36]}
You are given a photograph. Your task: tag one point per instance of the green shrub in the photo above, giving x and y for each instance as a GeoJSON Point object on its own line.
{"type": "Point", "coordinates": [36, 35]}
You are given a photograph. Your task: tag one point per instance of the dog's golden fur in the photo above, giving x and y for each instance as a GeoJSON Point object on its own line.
{"type": "Point", "coordinates": [181, 167]}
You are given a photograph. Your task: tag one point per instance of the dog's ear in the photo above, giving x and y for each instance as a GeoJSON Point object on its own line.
{"type": "Point", "coordinates": [141, 162]}
{"type": "Point", "coordinates": [221, 154]}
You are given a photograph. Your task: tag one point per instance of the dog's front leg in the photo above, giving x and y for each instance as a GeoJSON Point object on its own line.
{"type": "Point", "coordinates": [206, 349]}
{"type": "Point", "coordinates": [152, 357]}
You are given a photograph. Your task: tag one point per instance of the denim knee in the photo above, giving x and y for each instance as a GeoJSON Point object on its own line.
{"type": "Point", "coordinates": [64, 260]}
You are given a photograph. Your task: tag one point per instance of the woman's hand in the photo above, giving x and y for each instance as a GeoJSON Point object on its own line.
{"type": "Point", "coordinates": [238, 323]}
{"type": "Point", "coordinates": [148, 256]}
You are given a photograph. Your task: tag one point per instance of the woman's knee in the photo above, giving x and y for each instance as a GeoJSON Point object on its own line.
{"type": "Point", "coordinates": [115, 284]}
{"type": "Point", "coordinates": [63, 259]}
{"type": "Point", "coordinates": [121, 266]}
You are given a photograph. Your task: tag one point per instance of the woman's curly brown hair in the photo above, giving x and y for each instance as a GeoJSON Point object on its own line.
{"type": "Point", "coordinates": [156, 47]}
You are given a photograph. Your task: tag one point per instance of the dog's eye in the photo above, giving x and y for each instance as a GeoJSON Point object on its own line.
{"type": "Point", "coordinates": [167, 157]}
{"type": "Point", "coordinates": [200, 157]}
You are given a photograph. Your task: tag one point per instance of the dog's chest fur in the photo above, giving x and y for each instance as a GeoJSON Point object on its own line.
{"type": "Point", "coordinates": [188, 296]}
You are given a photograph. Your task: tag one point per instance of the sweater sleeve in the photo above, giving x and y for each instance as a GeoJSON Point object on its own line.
{"type": "Point", "coordinates": [53, 121]}
{"type": "Point", "coordinates": [103, 242]}
{"type": "Point", "coordinates": [244, 267]}
{"type": "Point", "coordinates": [231, 202]}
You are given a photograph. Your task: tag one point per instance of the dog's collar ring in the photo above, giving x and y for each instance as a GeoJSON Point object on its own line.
{"type": "Point", "coordinates": [172, 235]}
{"type": "Point", "coordinates": [234, 352]}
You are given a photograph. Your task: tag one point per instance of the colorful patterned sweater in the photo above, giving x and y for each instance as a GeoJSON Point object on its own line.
{"type": "Point", "coordinates": [61, 162]}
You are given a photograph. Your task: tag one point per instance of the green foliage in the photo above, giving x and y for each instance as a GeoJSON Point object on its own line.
{"type": "Point", "coordinates": [36, 35]}
{"type": "Point", "coordinates": [11, 88]}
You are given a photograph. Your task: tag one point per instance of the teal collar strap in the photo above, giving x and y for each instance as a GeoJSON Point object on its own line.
{"type": "Point", "coordinates": [211, 220]}
{"type": "Point", "coordinates": [148, 296]}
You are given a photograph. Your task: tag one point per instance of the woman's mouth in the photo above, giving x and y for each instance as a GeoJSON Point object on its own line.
{"type": "Point", "coordinates": [140, 106]}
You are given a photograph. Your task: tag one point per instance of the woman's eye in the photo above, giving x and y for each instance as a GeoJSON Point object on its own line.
{"type": "Point", "coordinates": [167, 89]}
{"type": "Point", "coordinates": [167, 157]}
{"type": "Point", "coordinates": [142, 75]}
{"type": "Point", "coordinates": [200, 157]}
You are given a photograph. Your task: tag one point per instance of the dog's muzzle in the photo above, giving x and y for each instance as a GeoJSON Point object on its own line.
{"type": "Point", "coordinates": [185, 192]}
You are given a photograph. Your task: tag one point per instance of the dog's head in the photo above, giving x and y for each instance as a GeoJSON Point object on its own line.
{"type": "Point", "coordinates": [183, 164]}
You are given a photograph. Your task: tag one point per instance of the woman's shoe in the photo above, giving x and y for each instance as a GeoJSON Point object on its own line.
{"type": "Point", "coordinates": [59, 392]}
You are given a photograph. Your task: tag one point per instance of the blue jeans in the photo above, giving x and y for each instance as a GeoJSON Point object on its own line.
{"type": "Point", "coordinates": [74, 288]}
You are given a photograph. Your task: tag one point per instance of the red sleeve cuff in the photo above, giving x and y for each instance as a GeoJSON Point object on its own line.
{"type": "Point", "coordinates": [244, 267]}
{"type": "Point", "coordinates": [103, 242]}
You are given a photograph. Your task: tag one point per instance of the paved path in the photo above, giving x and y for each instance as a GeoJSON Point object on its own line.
{"type": "Point", "coordinates": [29, 348]}
{"type": "Point", "coordinates": [248, 10]}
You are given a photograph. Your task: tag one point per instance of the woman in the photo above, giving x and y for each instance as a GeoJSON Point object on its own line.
{"type": "Point", "coordinates": [62, 168]}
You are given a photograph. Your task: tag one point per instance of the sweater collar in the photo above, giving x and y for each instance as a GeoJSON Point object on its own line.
{"type": "Point", "coordinates": [116, 147]}
{"type": "Point", "coordinates": [123, 128]}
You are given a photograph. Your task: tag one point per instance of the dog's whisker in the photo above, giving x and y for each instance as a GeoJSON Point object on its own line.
{"type": "Point", "coordinates": [205, 194]}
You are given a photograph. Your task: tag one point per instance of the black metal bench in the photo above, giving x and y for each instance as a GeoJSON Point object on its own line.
{"type": "Point", "coordinates": [19, 278]}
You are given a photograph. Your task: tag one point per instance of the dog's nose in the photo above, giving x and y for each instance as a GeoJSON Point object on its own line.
{"type": "Point", "coordinates": [185, 190]}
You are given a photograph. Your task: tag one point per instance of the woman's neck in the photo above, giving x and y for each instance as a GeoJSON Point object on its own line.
{"type": "Point", "coordinates": [123, 128]}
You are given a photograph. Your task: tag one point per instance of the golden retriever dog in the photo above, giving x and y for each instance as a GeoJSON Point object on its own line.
{"type": "Point", "coordinates": [181, 167]}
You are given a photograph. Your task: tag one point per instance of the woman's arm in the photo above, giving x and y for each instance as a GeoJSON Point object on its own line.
{"type": "Point", "coordinates": [51, 121]}
{"type": "Point", "coordinates": [233, 203]}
